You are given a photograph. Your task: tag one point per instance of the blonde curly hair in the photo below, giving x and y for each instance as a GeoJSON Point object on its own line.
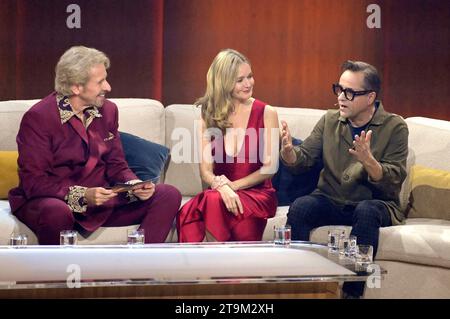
{"type": "Point", "coordinates": [217, 103]}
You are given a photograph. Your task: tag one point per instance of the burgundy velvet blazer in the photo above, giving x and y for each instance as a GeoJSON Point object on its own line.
{"type": "Point", "coordinates": [54, 156]}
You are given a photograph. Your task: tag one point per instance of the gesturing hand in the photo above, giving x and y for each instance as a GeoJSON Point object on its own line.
{"type": "Point", "coordinates": [286, 138]}
{"type": "Point", "coordinates": [286, 144]}
{"type": "Point", "coordinates": [361, 147]}
{"type": "Point", "coordinates": [231, 200]}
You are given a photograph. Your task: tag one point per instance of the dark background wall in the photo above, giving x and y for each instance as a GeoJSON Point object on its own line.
{"type": "Point", "coordinates": [34, 35]}
{"type": "Point", "coordinates": [162, 49]}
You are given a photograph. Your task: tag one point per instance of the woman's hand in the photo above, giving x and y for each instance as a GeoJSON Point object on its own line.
{"type": "Point", "coordinates": [231, 200]}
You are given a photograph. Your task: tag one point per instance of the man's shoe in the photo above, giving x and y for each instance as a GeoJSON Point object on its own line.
{"type": "Point", "coordinates": [349, 296]}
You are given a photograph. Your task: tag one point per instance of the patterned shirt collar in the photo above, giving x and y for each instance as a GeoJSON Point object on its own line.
{"type": "Point", "coordinates": [66, 111]}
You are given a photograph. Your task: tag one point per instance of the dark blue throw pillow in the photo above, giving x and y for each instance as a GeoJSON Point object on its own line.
{"type": "Point", "coordinates": [290, 186]}
{"type": "Point", "coordinates": [146, 159]}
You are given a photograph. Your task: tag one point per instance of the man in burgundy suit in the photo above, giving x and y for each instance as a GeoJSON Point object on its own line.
{"type": "Point", "coordinates": [70, 153]}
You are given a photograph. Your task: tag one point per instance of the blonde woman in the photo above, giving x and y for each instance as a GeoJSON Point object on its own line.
{"type": "Point", "coordinates": [236, 147]}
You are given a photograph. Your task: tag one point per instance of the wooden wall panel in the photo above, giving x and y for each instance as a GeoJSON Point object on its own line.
{"type": "Point", "coordinates": [162, 48]}
{"type": "Point", "coordinates": [129, 32]}
{"type": "Point", "coordinates": [417, 57]}
{"type": "Point", "coordinates": [7, 50]}
{"type": "Point", "coordinates": [296, 47]}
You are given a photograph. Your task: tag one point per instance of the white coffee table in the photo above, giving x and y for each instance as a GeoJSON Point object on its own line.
{"type": "Point", "coordinates": [217, 270]}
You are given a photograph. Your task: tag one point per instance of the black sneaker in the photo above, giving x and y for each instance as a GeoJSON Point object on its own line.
{"type": "Point", "coordinates": [345, 295]}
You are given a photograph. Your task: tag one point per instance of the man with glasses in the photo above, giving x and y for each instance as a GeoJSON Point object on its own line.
{"type": "Point", "coordinates": [363, 149]}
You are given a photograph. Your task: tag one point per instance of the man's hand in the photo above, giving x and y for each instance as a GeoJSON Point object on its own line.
{"type": "Point", "coordinates": [361, 147]}
{"type": "Point", "coordinates": [145, 192]}
{"type": "Point", "coordinates": [97, 196]}
{"type": "Point", "coordinates": [231, 200]}
{"type": "Point", "coordinates": [287, 149]}
{"type": "Point", "coordinates": [361, 151]}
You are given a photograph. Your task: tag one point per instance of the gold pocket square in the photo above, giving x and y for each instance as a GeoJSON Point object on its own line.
{"type": "Point", "coordinates": [109, 138]}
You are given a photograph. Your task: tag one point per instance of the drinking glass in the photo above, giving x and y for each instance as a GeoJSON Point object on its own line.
{"type": "Point", "coordinates": [135, 237]}
{"type": "Point", "coordinates": [282, 235]}
{"type": "Point", "coordinates": [348, 247]}
{"type": "Point", "coordinates": [68, 238]}
{"type": "Point", "coordinates": [364, 257]}
{"type": "Point", "coordinates": [18, 240]}
{"type": "Point", "coordinates": [334, 239]}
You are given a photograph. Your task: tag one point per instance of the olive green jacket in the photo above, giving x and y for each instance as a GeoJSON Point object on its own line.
{"type": "Point", "coordinates": [343, 178]}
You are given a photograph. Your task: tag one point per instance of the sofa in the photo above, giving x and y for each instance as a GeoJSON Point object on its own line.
{"type": "Point", "coordinates": [416, 255]}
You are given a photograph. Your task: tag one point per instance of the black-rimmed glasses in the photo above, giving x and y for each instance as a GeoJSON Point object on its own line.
{"type": "Point", "coordinates": [348, 93]}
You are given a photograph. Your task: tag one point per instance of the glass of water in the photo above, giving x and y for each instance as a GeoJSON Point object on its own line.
{"type": "Point", "coordinates": [68, 238]}
{"type": "Point", "coordinates": [18, 240]}
{"type": "Point", "coordinates": [135, 237]}
{"type": "Point", "coordinates": [348, 245]}
{"type": "Point", "coordinates": [334, 239]}
{"type": "Point", "coordinates": [282, 235]}
{"type": "Point", "coordinates": [364, 257]}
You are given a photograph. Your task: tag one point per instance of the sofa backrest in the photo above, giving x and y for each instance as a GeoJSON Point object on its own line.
{"type": "Point", "coordinates": [183, 171]}
{"type": "Point", "coordinates": [301, 121]}
{"type": "Point", "coordinates": [429, 142]}
{"type": "Point", "coordinates": [429, 146]}
{"type": "Point", "coordinates": [11, 113]}
{"type": "Point", "coordinates": [142, 117]}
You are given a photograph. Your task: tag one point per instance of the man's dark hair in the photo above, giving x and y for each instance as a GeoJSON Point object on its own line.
{"type": "Point", "coordinates": [371, 77]}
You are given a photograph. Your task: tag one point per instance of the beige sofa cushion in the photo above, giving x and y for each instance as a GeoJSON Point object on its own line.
{"type": "Point", "coordinates": [420, 240]}
{"type": "Point", "coordinates": [11, 113]}
{"type": "Point", "coordinates": [411, 281]}
{"type": "Point", "coordinates": [142, 117]}
{"type": "Point", "coordinates": [183, 171]}
{"type": "Point", "coordinates": [9, 225]}
{"type": "Point", "coordinates": [301, 121]}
